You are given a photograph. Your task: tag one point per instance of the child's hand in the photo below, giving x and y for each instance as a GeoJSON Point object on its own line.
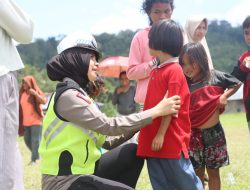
{"type": "Point", "coordinates": [246, 62]}
{"type": "Point", "coordinates": [223, 101]}
{"type": "Point", "coordinates": [157, 142]}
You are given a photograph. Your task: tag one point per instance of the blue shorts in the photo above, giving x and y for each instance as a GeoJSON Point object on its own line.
{"type": "Point", "coordinates": [208, 148]}
{"type": "Point", "coordinates": [172, 174]}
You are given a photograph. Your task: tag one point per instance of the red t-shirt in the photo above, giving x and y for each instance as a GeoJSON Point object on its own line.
{"type": "Point", "coordinates": [167, 77]}
{"type": "Point", "coordinates": [246, 88]}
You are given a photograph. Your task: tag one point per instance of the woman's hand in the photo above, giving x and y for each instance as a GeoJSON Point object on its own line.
{"type": "Point", "coordinates": [32, 92]}
{"type": "Point", "coordinates": [41, 99]}
{"type": "Point", "coordinates": [167, 106]}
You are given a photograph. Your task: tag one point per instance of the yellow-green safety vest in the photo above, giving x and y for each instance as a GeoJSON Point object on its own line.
{"type": "Point", "coordinates": [59, 136]}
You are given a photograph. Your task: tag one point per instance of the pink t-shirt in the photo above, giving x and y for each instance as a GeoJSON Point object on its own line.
{"type": "Point", "coordinates": [139, 68]}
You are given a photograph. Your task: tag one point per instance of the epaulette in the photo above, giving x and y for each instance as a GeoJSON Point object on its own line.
{"type": "Point", "coordinates": [62, 87]}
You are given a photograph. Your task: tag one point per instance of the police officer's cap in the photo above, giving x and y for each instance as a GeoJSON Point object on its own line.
{"type": "Point", "coordinates": [79, 39]}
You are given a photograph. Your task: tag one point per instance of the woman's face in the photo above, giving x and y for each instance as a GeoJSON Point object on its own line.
{"type": "Point", "coordinates": [191, 70]}
{"type": "Point", "coordinates": [93, 66]}
{"type": "Point", "coordinates": [200, 31]}
{"type": "Point", "coordinates": [160, 11]}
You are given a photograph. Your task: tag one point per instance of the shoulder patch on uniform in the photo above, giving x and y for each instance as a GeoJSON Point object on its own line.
{"type": "Point", "coordinates": [86, 99]}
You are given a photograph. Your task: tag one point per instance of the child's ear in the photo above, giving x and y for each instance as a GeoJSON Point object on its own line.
{"type": "Point", "coordinates": [195, 66]}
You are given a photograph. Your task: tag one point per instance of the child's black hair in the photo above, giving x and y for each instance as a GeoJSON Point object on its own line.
{"type": "Point", "coordinates": [246, 22]}
{"type": "Point", "coordinates": [122, 73]}
{"type": "Point", "coordinates": [196, 53]}
{"type": "Point", "coordinates": [166, 36]}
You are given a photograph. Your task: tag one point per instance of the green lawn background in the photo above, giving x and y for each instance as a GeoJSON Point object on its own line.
{"type": "Point", "coordinates": [236, 176]}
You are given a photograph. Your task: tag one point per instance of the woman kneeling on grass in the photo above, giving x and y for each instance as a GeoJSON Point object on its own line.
{"type": "Point", "coordinates": [74, 128]}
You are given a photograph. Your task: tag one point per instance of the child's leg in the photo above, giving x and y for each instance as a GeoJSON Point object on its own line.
{"type": "Point", "coordinates": [201, 173]}
{"type": "Point", "coordinates": [215, 153]}
{"type": "Point", "coordinates": [196, 153]}
{"type": "Point", "coordinates": [170, 174]}
{"type": "Point", "coordinates": [157, 176]}
{"type": "Point", "coordinates": [214, 178]}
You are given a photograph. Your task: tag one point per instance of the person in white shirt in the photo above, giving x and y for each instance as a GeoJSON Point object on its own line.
{"type": "Point", "coordinates": [16, 25]}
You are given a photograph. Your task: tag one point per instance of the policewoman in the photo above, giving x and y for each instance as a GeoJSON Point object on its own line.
{"type": "Point", "coordinates": [74, 129]}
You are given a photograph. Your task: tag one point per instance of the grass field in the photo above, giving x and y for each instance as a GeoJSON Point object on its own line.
{"type": "Point", "coordinates": [236, 176]}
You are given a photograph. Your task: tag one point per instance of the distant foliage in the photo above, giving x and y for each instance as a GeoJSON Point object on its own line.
{"type": "Point", "coordinates": [225, 42]}
{"type": "Point", "coordinates": [41, 77]}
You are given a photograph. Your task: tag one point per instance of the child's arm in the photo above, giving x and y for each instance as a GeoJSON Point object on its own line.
{"type": "Point", "coordinates": [229, 92]}
{"type": "Point", "coordinates": [159, 138]}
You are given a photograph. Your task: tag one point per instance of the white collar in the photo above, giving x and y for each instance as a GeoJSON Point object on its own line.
{"type": "Point", "coordinates": [171, 60]}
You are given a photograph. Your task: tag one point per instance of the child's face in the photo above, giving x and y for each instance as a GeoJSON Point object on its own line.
{"type": "Point", "coordinates": [160, 11]}
{"type": "Point", "coordinates": [124, 81]}
{"type": "Point", "coordinates": [200, 31]}
{"type": "Point", "coordinates": [247, 35]}
{"type": "Point", "coordinates": [191, 70]}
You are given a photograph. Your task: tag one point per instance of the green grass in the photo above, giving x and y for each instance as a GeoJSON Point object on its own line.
{"type": "Point", "coordinates": [238, 141]}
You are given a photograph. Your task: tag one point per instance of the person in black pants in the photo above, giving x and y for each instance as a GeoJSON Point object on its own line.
{"type": "Point", "coordinates": [75, 130]}
{"type": "Point", "coordinates": [121, 165]}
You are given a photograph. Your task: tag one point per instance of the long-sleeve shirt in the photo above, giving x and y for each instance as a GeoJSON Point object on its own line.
{"type": "Point", "coordinates": [139, 64]}
{"type": "Point", "coordinates": [79, 110]}
{"type": "Point", "coordinates": [14, 24]}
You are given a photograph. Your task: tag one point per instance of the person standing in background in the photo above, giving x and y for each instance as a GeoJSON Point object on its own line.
{"type": "Point", "coordinates": [14, 24]}
{"type": "Point", "coordinates": [140, 61]}
{"type": "Point", "coordinates": [123, 97]}
{"type": "Point", "coordinates": [196, 29]}
{"type": "Point", "coordinates": [31, 114]}
{"type": "Point", "coordinates": [242, 70]}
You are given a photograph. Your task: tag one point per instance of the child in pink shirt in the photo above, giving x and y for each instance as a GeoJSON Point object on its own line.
{"type": "Point", "coordinates": [140, 61]}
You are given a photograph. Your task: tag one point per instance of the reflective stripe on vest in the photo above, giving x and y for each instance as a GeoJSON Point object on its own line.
{"type": "Point", "coordinates": [58, 129]}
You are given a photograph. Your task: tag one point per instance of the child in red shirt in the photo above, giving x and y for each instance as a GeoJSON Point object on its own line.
{"type": "Point", "coordinates": [242, 69]}
{"type": "Point", "coordinates": [165, 141]}
{"type": "Point", "coordinates": [209, 90]}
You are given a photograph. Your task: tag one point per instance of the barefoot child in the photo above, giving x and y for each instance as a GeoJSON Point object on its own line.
{"type": "Point", "coordinates": [210, 90]}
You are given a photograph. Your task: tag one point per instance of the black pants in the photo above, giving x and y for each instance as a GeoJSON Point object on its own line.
{"type": "Point", "coordinates": [118, 165]}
